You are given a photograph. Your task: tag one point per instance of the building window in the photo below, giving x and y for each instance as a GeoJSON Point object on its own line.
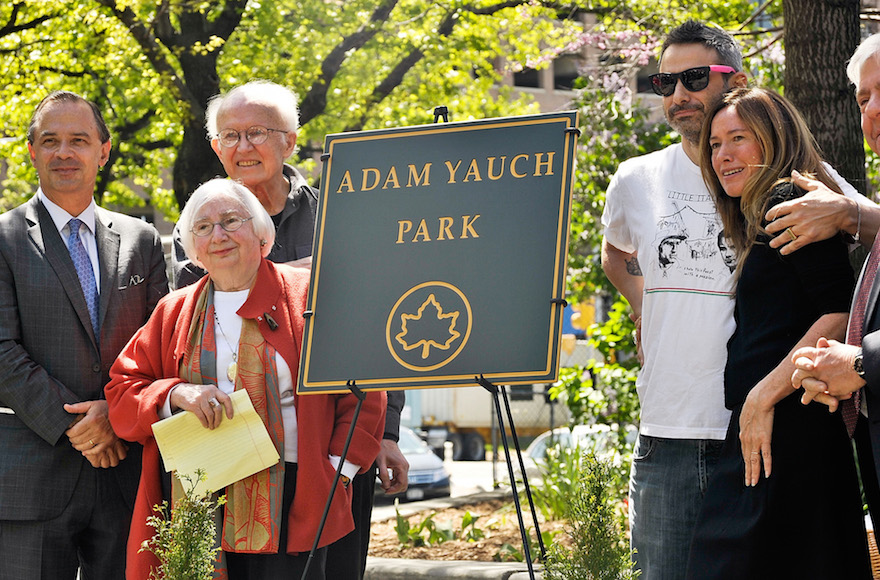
{"type": "Point", "coordinates": [528, 77]}
{"type": "Point", "coordinates": [566, 70]}
{"type": "Point", "coordinates": [643, 83]}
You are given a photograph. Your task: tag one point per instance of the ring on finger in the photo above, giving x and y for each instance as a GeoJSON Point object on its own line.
{"type": "Point", "coordinates": [92, 443]}
{"type": "Point", "coordinates": [756, 452]}
{"type": "Point", "coordinates": [214, 402]}
{"type": "Point", "coordinates": [791, 233]}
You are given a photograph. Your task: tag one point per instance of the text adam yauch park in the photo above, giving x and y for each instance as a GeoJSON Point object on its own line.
{"type": "Point", "coordinates": [440, 255]}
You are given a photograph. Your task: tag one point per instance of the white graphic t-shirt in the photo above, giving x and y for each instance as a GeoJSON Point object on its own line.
{"type": "Point", "coordinates": [658, 207]}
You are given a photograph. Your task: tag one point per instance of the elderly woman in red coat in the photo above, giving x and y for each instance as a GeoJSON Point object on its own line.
{"type": "Point", "coordinates": [241, 327]}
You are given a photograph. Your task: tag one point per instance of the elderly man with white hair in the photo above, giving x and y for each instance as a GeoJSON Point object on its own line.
{"type": "Point", "coordinates": [253, 132]}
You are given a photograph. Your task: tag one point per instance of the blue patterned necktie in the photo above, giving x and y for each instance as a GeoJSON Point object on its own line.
{"type": "Point", "coordinates": [83, 266]}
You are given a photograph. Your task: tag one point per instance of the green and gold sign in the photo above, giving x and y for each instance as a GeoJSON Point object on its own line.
{"type": "Point", "coordinates": [440, 255]}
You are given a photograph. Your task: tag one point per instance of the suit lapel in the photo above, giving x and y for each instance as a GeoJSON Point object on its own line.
{"type": "Point", "coordinates": [108, 259]}
{"type": "Point", "coordinates": [46, 238]}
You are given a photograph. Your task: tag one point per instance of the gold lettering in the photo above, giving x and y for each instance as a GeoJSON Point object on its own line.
{"type": "Point", "coordinates": [403, 226]}
{"type": "Point", "coordinates": [391, 178]}
{"type": "Point", "coordinates": [445, 229]}
{"type": "Point", "coordinates": [374, 173]}
{"type": "Point", "coordinates": [474, 171]}
{"type": "Point", "coordinates": [467, 226]}
{"type": "Point", "coordinates": [548, 165]}
{"type": "Point", "coordinates": [418, 178]}
{"type": "Point", "coordinates": [492, 176]}
{"type": "Point", "coordinates": [513, 166]}
{"type": "Point", "coordinates": [452, 170]}
{"type": "Point", "coordinates": [346, 183]}
{"type": "Point", "coordinates": [423, 232]}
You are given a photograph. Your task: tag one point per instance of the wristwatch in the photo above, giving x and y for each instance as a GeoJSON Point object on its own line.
{"type": "Point", "coordinates": [858, 365]}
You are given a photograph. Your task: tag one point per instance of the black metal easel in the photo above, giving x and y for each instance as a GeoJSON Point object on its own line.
{"type": "Point", "coordinates": [357, 411]}
{"type": "Point", "coordinates": [496, 391]}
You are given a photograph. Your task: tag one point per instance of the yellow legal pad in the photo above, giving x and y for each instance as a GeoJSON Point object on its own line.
{"type": "Point", "coordinates": [236, 449]}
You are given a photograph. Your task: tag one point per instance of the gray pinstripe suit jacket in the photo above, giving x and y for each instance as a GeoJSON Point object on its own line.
{"type": "Point", "coordinates": [48, 352]}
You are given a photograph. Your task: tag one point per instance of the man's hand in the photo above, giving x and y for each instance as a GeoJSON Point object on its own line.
{"type": "Point", "coordinates": [91, 434]}
{"type": "Point", "coordinates": [637, 337]}
{"type": "Point", "coordinates": [826, 372]}
{"type": "Point", "coordinates": [391, 459]}
{"type": "Point", "coordinates": [818, 215]}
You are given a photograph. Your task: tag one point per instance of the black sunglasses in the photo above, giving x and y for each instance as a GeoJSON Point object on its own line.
{"type": "Point", "coordinates": [693, 79]}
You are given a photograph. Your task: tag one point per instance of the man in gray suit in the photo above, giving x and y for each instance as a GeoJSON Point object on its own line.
{"type": "Point", "coordinates": [72, 293]}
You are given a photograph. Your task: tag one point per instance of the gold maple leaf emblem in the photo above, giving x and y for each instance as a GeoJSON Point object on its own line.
{"type": "Point", "coordinates": [428, 327]}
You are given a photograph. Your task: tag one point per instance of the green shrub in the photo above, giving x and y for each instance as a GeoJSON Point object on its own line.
{"type": "Point", "coordinates": [184, 542]}
{"type": "Point", "coordinates": [600, 550]}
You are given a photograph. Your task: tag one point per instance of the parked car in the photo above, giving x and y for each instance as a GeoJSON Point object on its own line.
{"type": "Point", "coordinates": [602, 440]}
{"type": "Point", "coordinates": [428, 476]}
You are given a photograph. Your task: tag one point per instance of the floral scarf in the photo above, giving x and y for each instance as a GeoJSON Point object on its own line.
{"type": "Point", "coordinates": [252, 515]}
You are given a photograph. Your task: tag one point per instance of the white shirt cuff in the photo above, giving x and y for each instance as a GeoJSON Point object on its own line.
{"type": "Point", "coordinates": [349, 469]}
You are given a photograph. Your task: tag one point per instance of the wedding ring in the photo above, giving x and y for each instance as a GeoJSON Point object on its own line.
{"type": "Point", "coordinates": [791, 233]}
{"type": "Point", "coordinates": [92, 443]}
{"type": "Point", "coordinates": [755, 453]}
{"type": "Point", "coordinates": [214, 402]}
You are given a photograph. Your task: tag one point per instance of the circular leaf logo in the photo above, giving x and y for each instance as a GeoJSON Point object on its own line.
{"type": "Point", "coordinates": [428, 326]}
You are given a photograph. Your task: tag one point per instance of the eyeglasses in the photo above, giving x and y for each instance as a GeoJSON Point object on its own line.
{"type": "Point", "coordinates": [693, 79]}
{"type": "Point", "coordinates": [256, 135]}
{"type": "Point", "coordinates": [229, 224]}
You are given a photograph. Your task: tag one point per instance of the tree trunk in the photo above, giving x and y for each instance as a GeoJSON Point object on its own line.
{"type": "Point", "coordinates": [820, 37]}
{"type": "Point", "coordinates": [196, 162]}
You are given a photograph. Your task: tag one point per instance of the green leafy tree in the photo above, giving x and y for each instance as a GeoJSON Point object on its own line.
{"type": "Point", "coordinates": [152, 66]}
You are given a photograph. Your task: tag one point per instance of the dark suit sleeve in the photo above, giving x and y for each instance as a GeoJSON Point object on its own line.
{"type": "Point", "coordinates": [158, 276]}
{"type": "Point", "coordinates": [396, 401]}
{"type": "Point", "coordinates": [871, 358]}
{"type": "Point", "coordinates": [36, 398]}
{"type": "Point", "coordinates": [183, 271]}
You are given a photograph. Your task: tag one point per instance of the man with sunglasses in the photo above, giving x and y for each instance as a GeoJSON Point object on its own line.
{"type": "Point", "coordinates": [683, 309]}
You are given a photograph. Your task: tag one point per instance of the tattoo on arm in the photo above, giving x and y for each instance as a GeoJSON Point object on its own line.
{"type": "Point", "coordinates": [632, 267]}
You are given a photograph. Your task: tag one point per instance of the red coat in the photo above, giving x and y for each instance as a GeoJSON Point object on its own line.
{"type": "Point", "coordinates": [147, 369]}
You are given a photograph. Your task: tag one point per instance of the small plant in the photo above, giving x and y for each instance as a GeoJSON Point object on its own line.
{"type": "Point", "coordinates": [184, 542]}
{"type": "Point", "coordinates": [600, 550]}
{"type": "Point", "coordinates": [561, 471]}
{"type": "Point", "coordinates": [469, 530]}
{"type": "Point", "coordinates": [561, 474]}
{"type": "Point", "coordinates": [509, 553]}
{"type": "Point", "coordinates": [431, 533]}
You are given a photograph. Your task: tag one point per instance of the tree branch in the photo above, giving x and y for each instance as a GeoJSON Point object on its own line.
{"type": "Point", "coordinates": [315, 101]}
{"type": "Point", "coordinates": [12, 26]}
{"type": "Point", "coordinates": [395, 77]}
{"type": "Point", "coordinates": [151, 46]}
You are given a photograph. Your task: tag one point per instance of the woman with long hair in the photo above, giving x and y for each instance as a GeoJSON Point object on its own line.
{"type": "Point", "coordinates": [761, 517]}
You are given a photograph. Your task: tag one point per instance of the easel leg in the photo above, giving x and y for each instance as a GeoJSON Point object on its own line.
{"type": "Point", "coordinates": [527, 553]}
{"type": "Point", "coordinates": [522, 469]}
{"type": "Point", "coordinates": [357, 411]}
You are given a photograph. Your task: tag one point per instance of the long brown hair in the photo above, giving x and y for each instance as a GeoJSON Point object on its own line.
{"type": "Point", "coordinates": [786, 145]}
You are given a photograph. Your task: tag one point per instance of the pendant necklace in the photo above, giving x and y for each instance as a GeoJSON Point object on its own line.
{"type": "Point", "coordinates": [232, 369]}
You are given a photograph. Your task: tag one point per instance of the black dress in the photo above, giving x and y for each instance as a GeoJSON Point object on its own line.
{"type": "Point", "coordinates": [806, 519]}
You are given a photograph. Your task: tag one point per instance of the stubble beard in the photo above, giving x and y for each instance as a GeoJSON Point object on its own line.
{"type": "Point", "coordinates": [689, 128]}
